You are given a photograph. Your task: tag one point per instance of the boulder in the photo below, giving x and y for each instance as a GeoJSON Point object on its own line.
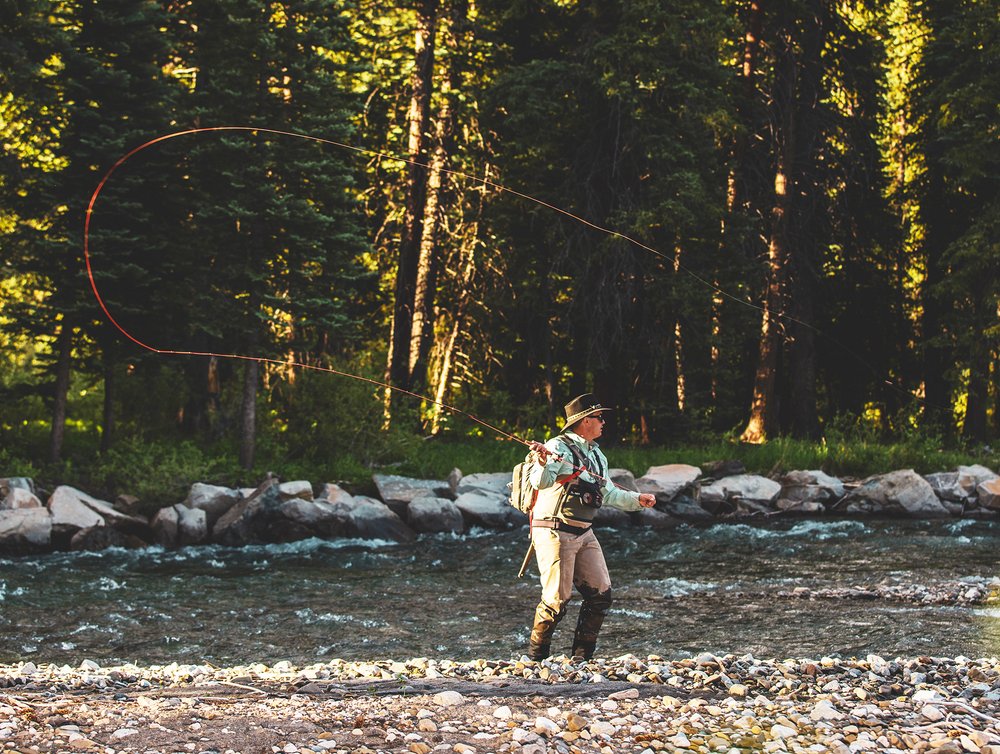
{"type": "Point", "coordinates": [135, 525]}
{"type": "Point", "coordinates": [491, 484]}
{"type": "Point", "coordinates": [434, 514]}
{"type": "Point", "coordinates": [720, 469]}
{"type": "Point", "coordinates": [398, 491]}
{"type": "Point", "coordinates": [686, 507]}
{"type": "Point", "coordinates": [192, 526]}
{"type": "Point", "coordinates": [19, 497]}
{"type": "Point", "coordinates": [654, 519]}
{"type": "Point", "coordinates": [255, 519]}
{"type": "Point", "coordinates": [989, 494]}
{"type": "Point", "coordinates": [902, 492]}
{"type": "Point", "coordinates": [623, 478]}
{"type": "Point", "coordinates": [946, 487]}
{"type": "Point", "coordinates": [212, 499]}
{"type": "Point", "coordinates": [164, 526]}
{"type": "Point", "coordinates": [613, 518]}
{"type": "Point", "coordinates": [317, 518]}
{"type": "Point", "coordinates": [489, 511]}
{"type": "Point", "coordinates": [743, 493]}
{"type": "Point", "coordinates": [811, 486]}
{"type": "Point", "coordinates": [334, 493]}
{"type": "Point", "coordinates": [366, 518]}
{"type": "Point", "coordinates": [103, 537]}
{"type": "Point", "coordinates": [16, 483]}
{"type": "Point", "coordinates": [25, 531]}
{"type": "Point", "coordinates": [300, 489]}
{"type": "Point", "coordinates": [126, 504]}
{"type": "Point", "coordinates": [799, 506]}
{"type": "Point", "coordinates": [668, 481]}
{"type": "Point", "coordinates": [70, 514]}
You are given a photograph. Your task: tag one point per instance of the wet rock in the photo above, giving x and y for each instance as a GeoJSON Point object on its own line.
{"type": "Point", "coordinates": [685, 507]}
{"type": "Point", "coordinates": [489, 511]}
{"type": "Point", "coordinates": [70, 514]}
{"type": "Point", "coordinates": [623, 478]}
{"type": "Point", "coordinates": [989, 494]}
{"type": "Point", "coordinates": [25, 531]}
{"type": "Point", "coordinates": [901, 492]}
{"type": "Point", "coordinates": [103, 537]}
{"type": "Point", "coordinates": [490, 484]}
{"type": "Point", "coordinates": [127, 504]}
{"type": "Point", "coordinates": [164, 525]}
{"type": "Point", "coordinates": [798, 506]}
{"type": "Point", "coordinates": [367, 518]}
{"type": "Point", "coordinates": [654, 519]}
{"type": "Point", "coordinates": [613, 518]}
{"type": "Point", "coordinates": [300, 489]}
{"type": "Point", "coordinates": [434, 514]}
{"type": "Point", "coordinates": [668, 481]}
{"type": "Point", "coordinates": [745, 492]}
{"type": "Point", "coordinates": [315, 518]}
{"type": "Point", "coordinates": [334, 493]}
{"type": "Point", "coordinates": [811, 486]}
{"type": "Point", "coordinates": [255, 519]}
{"type": "Point", "coordinates": [16, 483]}
{"type": "Point", "coordinates": [398, 491]}
{"type": "Point", "coordinates": [192, 526]}
{"type": "Point", "coordinates": [18, 498]}
{"type": "Point", "coordinates": [212, 499]}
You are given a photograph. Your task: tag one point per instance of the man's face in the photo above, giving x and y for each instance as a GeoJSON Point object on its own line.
{"type": "Point", "coordinates": [591, 427]}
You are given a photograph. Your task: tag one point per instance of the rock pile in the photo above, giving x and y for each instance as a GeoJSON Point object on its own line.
{"type": "Point", "coordinates": [283, 512]}
{"type": "Point", "coordinates": [645, 705]}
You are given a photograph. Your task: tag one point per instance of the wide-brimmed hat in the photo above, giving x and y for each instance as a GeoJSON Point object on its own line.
{"type": "Point", "coordinates": [581, 407]}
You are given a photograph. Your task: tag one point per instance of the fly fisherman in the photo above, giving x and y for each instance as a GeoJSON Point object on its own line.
{"type": "Point", "coordinates": [571, 475]}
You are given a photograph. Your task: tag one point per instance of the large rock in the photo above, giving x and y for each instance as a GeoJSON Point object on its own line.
{"type": "Point", "coordinates": [902, 492]}
{"type": "Point", "coordinates": [668, 481]}
{"type": "Point", "coordinates": [25, 531]}
{"type": "Point", "coordinates": [103, 537]}
{"type": "Point", "coordinates": [654, 519]}
{"type": "Point", "coordinates": [19, 497]}
{"type": "Point", "coordinates": [70, 514]}
{"type": "Point", "coordinates": [960, 486]}
{"type": "Point", "coordinates": [366, 518]}
{"type": "Point", "coordinates": [623, 478]}
{"type": "Point", "coordinates": [398, 491]}
{"type": "Point", "coordinates": [811, 486]}
{"type": "Point", "coordinates": [491, 484]}
{"type": "Point", "coordinates": [298, 489]}
{"type": "Point", "coordinates": [318, 518]}
{"type": "Point", "coordinates": [16, 483]}
{"type": "Point", "coordinates": [212, 499]}
{"type": "Point", "coordinates": [744, 493]}
{"type": "Point", "coordinates": [429, 515]}
{"type": "Point", "coordinates": [192, 526]}
{"type": "Point", "coordinates": [613, 518]}
{"type": "Point", "coordinates": [334, 493]}
{"type": "Point", "coordinates": [989, 494]}
{"type": "Point", "coordinates": [164, 525]}
{"type": "Point", "coordinates": [256, 519]}
{"type": "Point", "coordinates": [489, 511]}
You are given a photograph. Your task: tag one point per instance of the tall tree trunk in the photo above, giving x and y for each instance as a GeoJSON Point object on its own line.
{"type": "Point", "coordinates": [936, 356]}
{"type": "Point", "coordinates": [248, 414]}
{"type": "Point", "coordinates": [110, 389]}
{"type": "Point", "coordinates": [421, 83]}
{"type": "Point", "coordinates": [802, 371]}
{"type": "Point", "coordinates": [763, 419]}
{"type": "Point", "coordinates": [975, 424]}
{"type": "Point", "coordinates": [64, 347]}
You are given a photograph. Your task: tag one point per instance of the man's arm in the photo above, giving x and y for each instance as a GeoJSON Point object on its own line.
{"type": "Point", "coordinates": [549, 463]}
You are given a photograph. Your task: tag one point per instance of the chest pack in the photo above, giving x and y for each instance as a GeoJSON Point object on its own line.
{"type": "Point", "coordinates": [523, 495]}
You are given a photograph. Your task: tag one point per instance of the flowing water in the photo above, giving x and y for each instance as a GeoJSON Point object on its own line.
{"type": "Point", "coordinates": [716, 588]}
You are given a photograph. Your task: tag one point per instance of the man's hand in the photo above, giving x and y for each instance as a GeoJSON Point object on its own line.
{"type": "Point", "coordinates": [541, 452]}
{"type": "Point", "coordinates": [647, 500]}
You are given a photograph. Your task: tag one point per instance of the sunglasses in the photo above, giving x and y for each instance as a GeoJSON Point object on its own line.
{"type": "Point", "coordinates": [599, 418]}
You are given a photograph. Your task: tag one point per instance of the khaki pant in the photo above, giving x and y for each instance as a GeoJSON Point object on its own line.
{"type": "Point", "coordinates": [566, 560]}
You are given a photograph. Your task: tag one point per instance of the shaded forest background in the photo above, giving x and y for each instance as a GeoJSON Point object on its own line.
{"type": "Point", "coordinates": [812, 186]}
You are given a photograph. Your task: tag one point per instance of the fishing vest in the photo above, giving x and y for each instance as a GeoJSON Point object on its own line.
{"type": "Point", "coordinates": [575, 501]}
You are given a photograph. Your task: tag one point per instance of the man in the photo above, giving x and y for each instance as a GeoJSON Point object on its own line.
{"type": "Point", "coordinates": [571, 475]}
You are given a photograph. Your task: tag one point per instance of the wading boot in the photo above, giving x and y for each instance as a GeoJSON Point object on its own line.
{"type": "Point", "coordinates": [546, 620]}
{"type": "Point", "coordinates": [595, 606]}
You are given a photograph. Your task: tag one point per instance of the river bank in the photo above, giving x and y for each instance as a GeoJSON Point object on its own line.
{"type": "Point", "coordinates": [704, 703]}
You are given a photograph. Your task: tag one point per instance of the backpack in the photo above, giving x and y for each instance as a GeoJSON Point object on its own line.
{"type": "Point", "coordinates": [522, 494]}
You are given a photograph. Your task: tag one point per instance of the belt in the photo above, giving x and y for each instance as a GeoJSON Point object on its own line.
{"type": "Point", "coordinates": [546, 523]}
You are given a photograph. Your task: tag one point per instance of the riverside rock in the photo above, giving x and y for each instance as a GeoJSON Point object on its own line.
{"type": "Point", "coordinates": [367, 518]}
{"type": "Point", "coordinates": [320, 518]}
{"type": "Point", "coordinates": [811, 486]}
{"type": "Point", "coordinates": [901, 492]}
{"type": "Point", "coordinates": [212, 499]}
{"type": "Point", "coordinates": [490, 511]}
{"type": "Point", "coordinates": [434, 514]}
{"type": "Point", "coordinates": [667, 481]}
{"type": "Point", "coordinates": [70, 513]}
{"type": "Point", "coordinates": [743, 492]}
{"type": "Point", "coordinates": [102, 537]}
{"type": "Point", "coordinates": [298, 489]}
{"type": "Point", "coordinates": [19, 497]}
{"type": "Point", "coordinates": [255, 519]}
{"type": "Point", "coordinates": [989, 494]}
{"type": "Point", "coordinates": [25, 530]}
{"type": "Point", "coordinates": [398, 491]}
{"type": "Point", "coordinates": [491, 484]}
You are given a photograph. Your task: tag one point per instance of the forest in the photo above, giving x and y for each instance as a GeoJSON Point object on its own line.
{"type": "Point", "coordinates": [741, 219]}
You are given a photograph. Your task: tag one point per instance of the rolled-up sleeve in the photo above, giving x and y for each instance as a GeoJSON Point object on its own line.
{"type": "Point", "coordinates": [545, 476]}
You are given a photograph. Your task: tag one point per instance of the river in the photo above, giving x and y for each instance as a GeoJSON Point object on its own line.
{"type": "Point", "coordinates": [721, 588]}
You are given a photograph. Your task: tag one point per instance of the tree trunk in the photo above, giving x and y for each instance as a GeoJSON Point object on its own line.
{"type": "Point", "coordinates": [248, 414]}
{"type": "Point", "coordinates": [421, 82]}
{"type": "Point", "coordinates": [763, 419]}
{"type": "Point", "coordinates": [64, 347]}
{"type": "Point", "coordinates": [110, 388]}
